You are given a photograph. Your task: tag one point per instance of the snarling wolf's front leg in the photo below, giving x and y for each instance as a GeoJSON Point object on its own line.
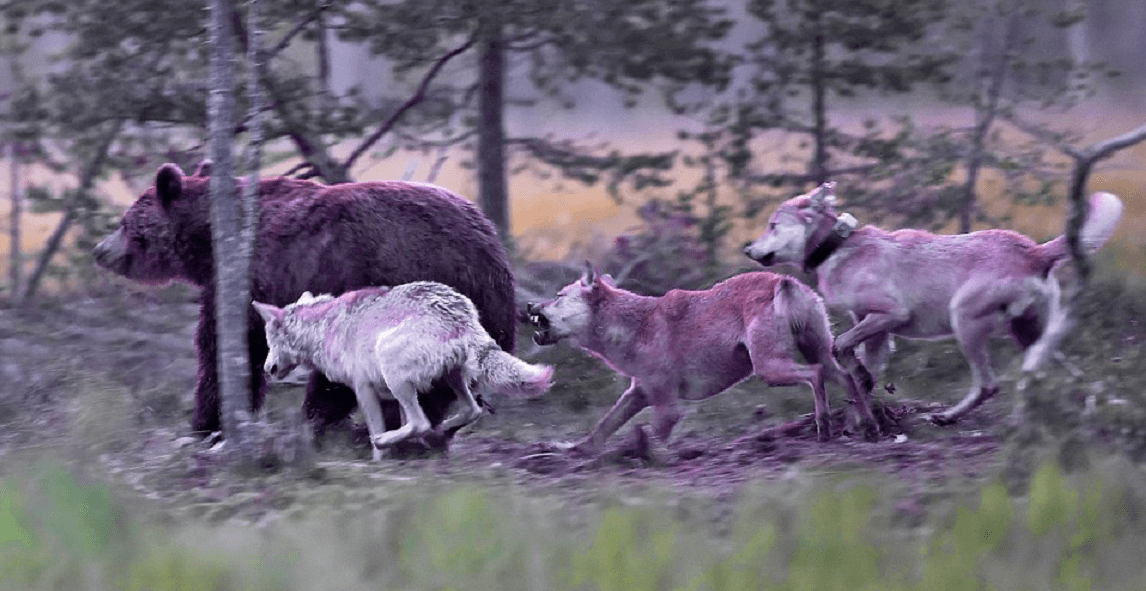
{"type": "Point", "coordinates": [469, 409]}
{"type": "Point", "coordinates": [628, 405]}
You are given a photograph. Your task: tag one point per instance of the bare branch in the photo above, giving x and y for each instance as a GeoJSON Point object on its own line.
{"type": "Point", "coordinates": [298, 28]}
{"type": "Point", "coordinates": [410, 103]}
{"type": "Point", "coordinates": [1044, 135]}
{"type": "Point", "coordinates": [87, 179]}
{"type": "Point", "coordinates": [309, 145]}
{"type": "Point", "coordinates": [1109, 147]}
{"type": "Point", "coordinates": [795, 178]}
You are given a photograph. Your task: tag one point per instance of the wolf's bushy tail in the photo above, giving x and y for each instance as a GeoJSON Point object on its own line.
{"type": "Point", "coordinates": [1105, 212]}
{"type": "Point", "coordinates": [506, 374]}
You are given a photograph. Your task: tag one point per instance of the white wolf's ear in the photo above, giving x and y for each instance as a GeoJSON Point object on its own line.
{"type": "Point", "coordinates": [267, 311]}
{"type": "Point", "coordinates": [608, 279]}
{"type": "Point", "coordinates": [589, 277]}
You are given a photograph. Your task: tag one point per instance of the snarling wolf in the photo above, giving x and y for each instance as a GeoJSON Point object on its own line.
{"type": "Point", "coordinates": [389, 343]}
{"type": "Point", "coordinates": [691, 345]}
{"type": "Point", "coordinates": [921, 285]}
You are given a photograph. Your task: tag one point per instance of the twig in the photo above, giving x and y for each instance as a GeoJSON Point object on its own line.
{"type": "Point", "coordinates": [410, 103]}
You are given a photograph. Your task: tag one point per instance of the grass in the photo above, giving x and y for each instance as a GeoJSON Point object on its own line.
{"type": "Point", "coordinates": [1080, 531]}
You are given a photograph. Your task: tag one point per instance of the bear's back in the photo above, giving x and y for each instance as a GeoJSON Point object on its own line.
{"type": "Point", "coordinates": [337, 238]}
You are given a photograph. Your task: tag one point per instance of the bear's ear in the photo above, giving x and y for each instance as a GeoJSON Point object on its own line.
{"type": "Point", "coordinates": [204, 169]}
{"type": "Point", "coordinates": [267, 311]}
{"type": "Point", "coordinates": [168, 183]}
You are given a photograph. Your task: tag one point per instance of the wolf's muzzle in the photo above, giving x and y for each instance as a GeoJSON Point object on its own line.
{"type": "Point", "coordinates": [540, 323]}
{"type": "Point", "coordinates": [765, 260]}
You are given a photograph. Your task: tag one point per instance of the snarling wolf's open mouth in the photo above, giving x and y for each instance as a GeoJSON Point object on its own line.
{"type": "Point", "coordinates": [541, 323]}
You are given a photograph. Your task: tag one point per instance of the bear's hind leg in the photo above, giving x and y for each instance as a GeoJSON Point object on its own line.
{"type": "Point", "coordinates": [205, 419]}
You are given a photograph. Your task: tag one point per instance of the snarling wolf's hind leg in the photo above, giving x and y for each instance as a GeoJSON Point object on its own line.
{"type": "Point", "coordinates": [786, 372]}
{"type": "Point", "coordinates": [416, 422]}
{"type": "Point", "coordinates": [469, 410]}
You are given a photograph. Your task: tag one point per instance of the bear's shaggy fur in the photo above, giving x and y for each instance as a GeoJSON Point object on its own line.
{"type": "Point", "coordinates": [323, 239]}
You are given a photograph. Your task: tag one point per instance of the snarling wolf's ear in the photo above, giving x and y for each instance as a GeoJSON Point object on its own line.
{"type": "Point", "coordinates": [267, 311]}
{"type": "Point", "coordinates": [204, 169]}
{"type": "Point", "coordinates": [168, 183]}
{"type": "Point", "coordinates": [608, 279]}
{"type": "Point", "coordinates": [589, 277]}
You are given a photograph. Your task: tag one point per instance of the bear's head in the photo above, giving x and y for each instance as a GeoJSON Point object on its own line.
{"type": "Point", "coordinates": [166, 234]}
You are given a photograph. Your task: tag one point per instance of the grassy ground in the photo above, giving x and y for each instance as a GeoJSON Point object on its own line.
{"type": "Point", "coordinates": [97, 491]}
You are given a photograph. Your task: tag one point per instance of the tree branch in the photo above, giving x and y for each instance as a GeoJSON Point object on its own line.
{"type": "Point", "coordinates": [309, 146]}
{"type": "Point", "coordinates": [1049, 137]}
{"type": "Point", "coordinates": [1106, 149]}
{"type": "Point", "coordinates": [410, 103]}
{"type": "Point", "coordinates": [298, 28]}
{"type": "Point", "coordinates": [87, 179]}
{"type": "Point", "coordinates": [796, 178]}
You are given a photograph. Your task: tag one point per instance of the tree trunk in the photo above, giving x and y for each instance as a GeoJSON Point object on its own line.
{"type": "Point", "coordinates": [323, 50]}
{"type": "Point", "coordinates": [232, 264]}
{"type": "Point", "coordinates": [492, 192]}
{"type": "Point", "coordinates": [819, 108]}
{"type": "Point", "coordinates": [16, 257]}
{"type": "Point", "coordinates": [985, 112]}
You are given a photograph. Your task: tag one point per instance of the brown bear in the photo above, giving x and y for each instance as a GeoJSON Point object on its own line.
{"type": "Point", "coordinates": [322, 239]}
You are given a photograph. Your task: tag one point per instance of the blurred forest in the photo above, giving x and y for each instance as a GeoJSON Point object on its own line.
{"type": "Point", "coordinates": [574, 122]}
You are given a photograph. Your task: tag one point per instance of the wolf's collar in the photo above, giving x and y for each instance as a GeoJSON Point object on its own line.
{"type": "Point", "coordinates": [841, 230]}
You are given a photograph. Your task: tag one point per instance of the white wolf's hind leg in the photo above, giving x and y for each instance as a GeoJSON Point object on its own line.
{"type": "Point", "coordinates": [416, 422]}
{"type": "Point", "coordinates": [469, 410]}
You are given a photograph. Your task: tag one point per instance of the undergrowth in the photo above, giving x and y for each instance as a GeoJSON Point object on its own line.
{"type": "Point", "coordinates": [1081, 531]}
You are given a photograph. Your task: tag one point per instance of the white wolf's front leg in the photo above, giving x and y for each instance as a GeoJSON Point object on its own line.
{"type": "Point", "coordinates": [416, 422]}
{"type": "Point", "coordinates": [367, 397]}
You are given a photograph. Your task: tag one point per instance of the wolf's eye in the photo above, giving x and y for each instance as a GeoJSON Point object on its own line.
{"type": "Point", "coordinates": [772, 226]}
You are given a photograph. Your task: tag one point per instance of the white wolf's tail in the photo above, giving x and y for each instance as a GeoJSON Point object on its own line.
{"type": "Point", "coordinates": [1105, 212]}
{"type": "Point", "coordinates": [503, 373]}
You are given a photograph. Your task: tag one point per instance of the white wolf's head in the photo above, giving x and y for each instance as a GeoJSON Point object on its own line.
{"type": "Point", "coordinates": [568, 314]}
{"type": "Point", "coordinates": [283, 356]}
{"type": "Point", "coordinates": [792, 225]}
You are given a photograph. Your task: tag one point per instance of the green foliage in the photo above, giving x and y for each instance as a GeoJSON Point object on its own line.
{"type": "Point", "coordinates": [59, 533]}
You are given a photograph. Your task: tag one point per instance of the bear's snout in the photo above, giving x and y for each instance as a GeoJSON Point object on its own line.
{"type": "Point", "coordinates": [109, 253]}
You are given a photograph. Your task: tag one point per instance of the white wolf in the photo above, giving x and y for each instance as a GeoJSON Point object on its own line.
{"type": "Point", "coordinates": [393, 342]}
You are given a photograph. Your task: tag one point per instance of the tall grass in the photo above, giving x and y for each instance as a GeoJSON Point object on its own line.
{"type": "Point", "coordinates": [1081, 532]}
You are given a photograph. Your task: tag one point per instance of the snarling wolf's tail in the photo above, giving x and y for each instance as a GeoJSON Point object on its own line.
{"type": "Point", "coordinates": [501, 372]}
{"type": "Point", "coordinates": [1105, 212]}
{"type": "Point", "coordinates": [808, 318]}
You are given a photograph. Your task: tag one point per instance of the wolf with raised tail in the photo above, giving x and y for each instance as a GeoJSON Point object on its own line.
{"type": "Point", "coordinates": [921, 285]}
{"type": "Point", "coordinates": [691, 345]}
{"type": "Point", "coordinates": [392, 342]}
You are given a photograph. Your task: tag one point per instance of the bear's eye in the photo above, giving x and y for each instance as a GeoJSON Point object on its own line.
{"type": "Point", "coordinates": [140, 241]}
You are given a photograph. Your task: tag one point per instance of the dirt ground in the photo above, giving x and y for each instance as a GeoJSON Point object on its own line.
{"type": "Point", "coordinates": [106, 381]}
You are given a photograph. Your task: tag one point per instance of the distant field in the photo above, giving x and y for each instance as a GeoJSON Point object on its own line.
{"type": "Point", "coordinates": [550, 217]}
